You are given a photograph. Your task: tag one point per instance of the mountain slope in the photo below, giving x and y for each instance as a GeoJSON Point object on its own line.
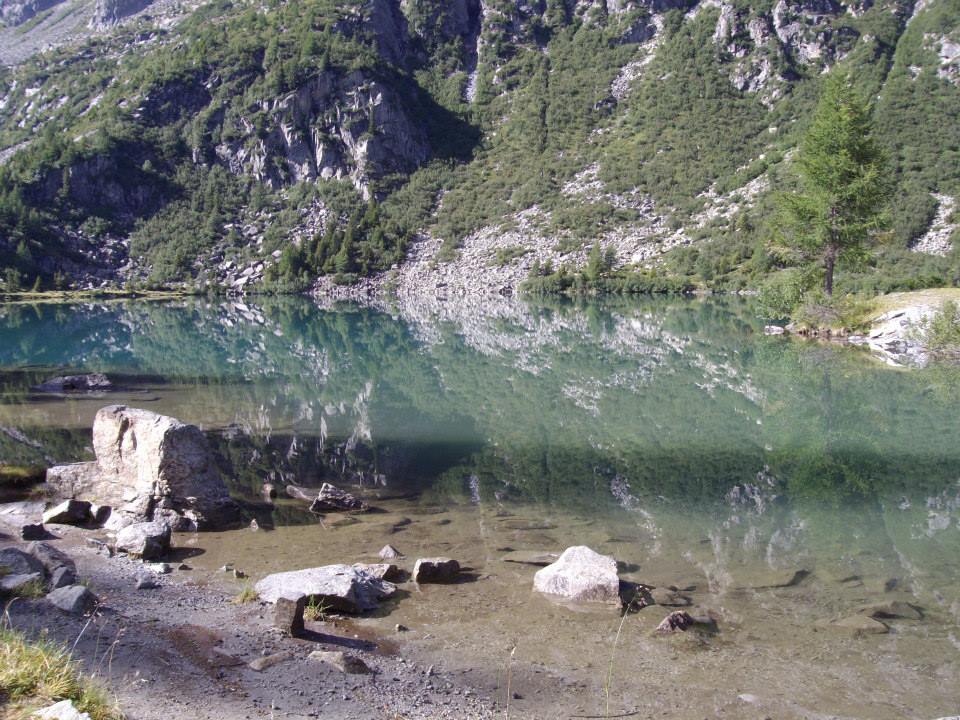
{"type": "Point", "coordinates": [240, 144]}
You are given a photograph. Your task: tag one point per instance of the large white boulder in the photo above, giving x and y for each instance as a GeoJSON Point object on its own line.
{"type": "Point", "coordinates": [148, 467]}
{"type": "Point", "coordinates": [347, 588]}
{"type": "Point", "coordinates": [580, 575]}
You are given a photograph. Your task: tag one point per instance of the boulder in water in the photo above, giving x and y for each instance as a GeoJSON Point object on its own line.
{"type": "Point", "coordinates": [345, 588]}
{"type": "Point", "coordinates": [580, 575]}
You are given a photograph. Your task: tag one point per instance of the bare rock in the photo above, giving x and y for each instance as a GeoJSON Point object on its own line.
{"type": "Point", "coordinates": [73, 599]}
{"type": "Point", "coordinates": [149, 467]}
{"type": "Point", "coordinates": [531, 557]}
{"type": "Point", "coordinates": [50, 557]}
{"type": "Point", "coordinates": [435, 570]}
{"type": "Point", "coordinates": [146, 580]}
{"type": "Point", "coordinates": [148, 540]}
{"type": "Point", "coordinates": [63, 710]}
{"type": "Point", "coordinates": [288, 615]}
{"type": "Point", "coordinates": [91, 382]}
{"type": "Point", "coordinates": [35, 531]}
{"type": "Point", "coordinates": [267, 661]}
{"type": "Point", "coordinates": [891, 610]}
{"type": "Point", "coordinates": [681, 620]}
{"type": "Point", "coordinates": [15, 584]}
{"type": "Point", "coordinates": [62, 577]}
{"type": "Point", "coordinates": [333, 499]}
{"type": "Point", "coordinates": [389, 552]}
{"type": "Point", "coordinates": [668, 597]}
{"type": "Point", "coordinates": [381, 571]}
{"type": "Point", "coordinates": [69, 512]}
{"type": "Point", "coordinates": [580, 575]}
{"type": "Point", "coordinates": [17, 562]}
{"type": "Point", "coordinates": [344, 662]}
{"type": "Point", "coordinates": [770, 579]}
{"type": "Point", "coordinates": [859, 625]}
{"type": "Point", "coordinates": [340, 587]}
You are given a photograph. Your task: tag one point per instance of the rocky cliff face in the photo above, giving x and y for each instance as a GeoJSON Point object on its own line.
{"type": "Point", "coordinates": [107, 13]}
{"type": "Point", "coordinates": [336, 126]}
{"type": "Point", "coordinates": [17, 12]}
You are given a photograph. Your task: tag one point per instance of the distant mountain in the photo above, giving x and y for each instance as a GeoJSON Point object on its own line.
{"type": "Point", "coordinates": [451, 145]}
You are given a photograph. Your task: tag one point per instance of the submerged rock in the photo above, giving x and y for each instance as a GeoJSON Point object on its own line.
{"type": "Point", "coordinates": [91, 382]}
{"type": "Point", "coordinates": [681, 620]}
{"type": "Point", "coordinates": [858, 625]}
{"type": "Point", "coordinates": [339, 587]}
{"type": "Point", "coordinates": [149, 467]}
{"type": "Point", "coordinates": [531, 557]}
{"type": "Point", "coordinates": [333, 499]}
{"type": "Point", "coordinates": [580, 575]}
{"type": "Point", "coordinates": [149, 540]}
{"type": "Point", "coordinates": [262, 663]}
{"type": "Point", "coordinates": [892, 609]}
{"type": "Point", "coordinates": [435, 570]}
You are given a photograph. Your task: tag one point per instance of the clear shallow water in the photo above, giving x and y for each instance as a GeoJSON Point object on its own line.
{"type": "Point", "coordinates": [671, 434]}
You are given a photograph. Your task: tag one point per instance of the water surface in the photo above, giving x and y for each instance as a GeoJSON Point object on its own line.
{"type": "Point", "coordinates": [670, 434]}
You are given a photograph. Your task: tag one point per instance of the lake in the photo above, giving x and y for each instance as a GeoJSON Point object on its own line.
{"type": "Point", "coordinates": [779, 484]}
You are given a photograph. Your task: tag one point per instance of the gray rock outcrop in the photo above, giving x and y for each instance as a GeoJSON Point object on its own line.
{"type": "Point", "coordinates": [17, 562]}
{"type": "Point", "coordinates": [63, 710]}
{"type": "Point", "coordinates": [580, 575]}
{"type": "Point", "coordinates": [149, 540]}
{"type": "Point", "coordinates": [344, 662]}
{"type": "Point", "coordinates": [333, 499]}
{"type": "Point", "coordinates": [339, 587]}
{"type": "Point", "coordinates": [17, 12]}
{"type": "Point", "coordinates": [108, 13]}
{"type": "Point", "coordinates": [16, 584]}
{"type": "Point", "coordinates": [91, 382]}
{"type": "Point", "coordinates": [148, 467]}
{"type": "Point", "coordinates": [73, 599]}
{"type": "Point", "coordinates": [69, 512]}
{"type": "Point", "coordinates": [435, 570]}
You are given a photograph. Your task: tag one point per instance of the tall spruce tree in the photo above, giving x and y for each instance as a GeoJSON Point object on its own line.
{"type": "Point", "coordinates": [843, 183]}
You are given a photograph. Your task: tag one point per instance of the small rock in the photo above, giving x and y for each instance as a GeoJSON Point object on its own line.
{"type": "Point", "coordinates": [74, 599]}
{"type": "Point", "coordinates": [332, 498]}
{"type": "Point", "coordinates": [435, 570]}
{"type": "Point", "coordinates": [159, 568]}
{"type": "Point", "coordinates": [254, 525]}
{"type": "Point", "coordinates": [389, 552]}
{"type": "Point", "coordinates": [531, 557]}
{"type": "Point", "coordinates": [288, 615]}
{"type": "Point", "coordinates": [262, 663]}
{"type": "Point", "coordinates": [18, 562]}
{"type": "Point", "coordinates": [69, 512]}
{"type": "Point", "coordinates": [859, 625]}
{"type": "Point", "coordinates": [15, 584]}
{"type": "Point", "coordinates": [50, 557]}
{"type": "Point", "coordinates": [343, 662]}
{"type": "Point", "coordinates": [34, 532]}
{"type": "Point", "coordinates": [238, 574]}
{"type": "Point", "coordinates": [62, 577]}
{"type": "Point", "coordinates": [146, 580]}
{"type": "Point", "coordinates": [580, 575]}
{"type": "Point", "coordinates": [269, 491]}
{"type": "Point", "coordinates": [148, 540]}
{"type": "Point", "coordinates": [892, 609]}
{"type": "Point", "coordinates": [91, 382]}
{"type": "Point", "coordinates": [102, 547]}
{"type": "Point", "coordinates": [668, 597]}
{"type": "Point", "coordinates": [63, 710]}
{"type": "Point", "coordinates": [381, 571]}
{"type": "Point", "coordinates": [682, 620]}
{"type": "Point", "coordinates": [401, 628]}
{"type": "Point", "coordinates": [773, 330]}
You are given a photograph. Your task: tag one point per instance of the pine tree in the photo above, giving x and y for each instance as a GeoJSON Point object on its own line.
{"type": "Point", "coordinates": [843, 182]}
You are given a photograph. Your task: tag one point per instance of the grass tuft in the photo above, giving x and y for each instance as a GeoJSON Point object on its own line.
{"type": "Point", "coordinates": [246, 595]}
{"type": "Point", "coordinates": [38, 673]}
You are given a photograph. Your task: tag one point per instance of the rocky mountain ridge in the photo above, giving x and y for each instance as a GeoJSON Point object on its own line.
{"type": "Point", "coordinates": [468, 123]}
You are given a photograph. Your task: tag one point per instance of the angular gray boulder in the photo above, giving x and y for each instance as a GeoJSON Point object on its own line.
{"type": "Point", "coordinates": [149, 540]}
{"type": "Point", "coordinates": [333, 499]}
{"type": "Point", "coordinates": [339, 587]}
{"type": "Point", "coordinates": [17, 562]}
{"type": "Point", "coordinates": [50, 557]}
{"type": "Point", "coordinates": [73, 599]}
{"type": "Point", "coordinates": [68, 512]}
{"type": "Point", "coordinates": [435, 570]}
{"type": "Point", "coordinates": [148, 467]}
{"type": "Point", "coordinates": [580, 575]}
{"type": "Point", "coordinates": [16, 584]}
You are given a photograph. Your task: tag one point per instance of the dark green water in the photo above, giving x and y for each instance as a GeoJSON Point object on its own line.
{"type": "Point", "coordinates": [672, 434]}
